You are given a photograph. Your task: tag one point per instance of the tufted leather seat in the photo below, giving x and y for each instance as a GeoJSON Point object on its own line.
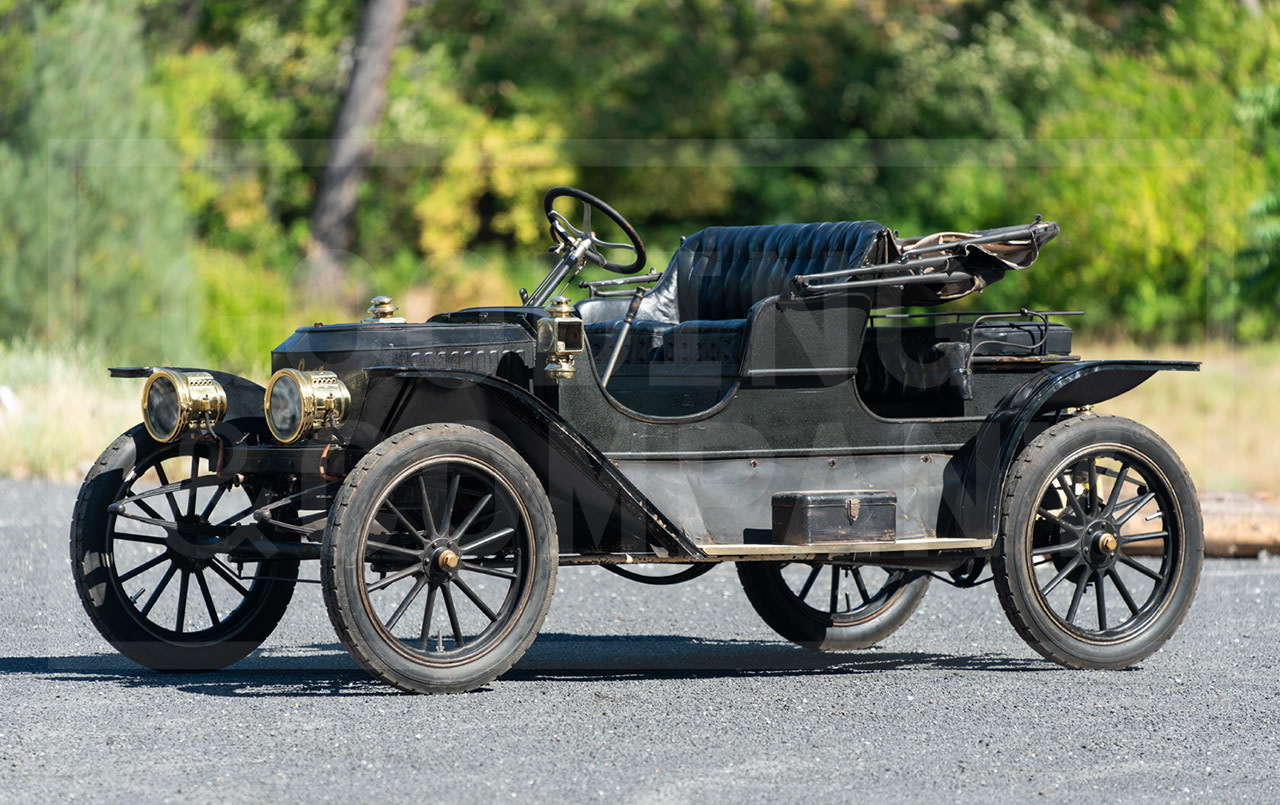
{"type": "Point", "coordinates": [700, 306]}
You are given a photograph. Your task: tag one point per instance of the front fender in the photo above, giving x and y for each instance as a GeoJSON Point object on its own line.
{"type": "Point", "coordinates": [990, 454]}
{"type": "Point", "coordinates": [244, 399]}
{"type": "Point", "coordinates": [597, 508]}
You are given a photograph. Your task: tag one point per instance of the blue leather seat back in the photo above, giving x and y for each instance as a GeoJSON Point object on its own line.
{"type": "Point", "coordinates": [720, 272]}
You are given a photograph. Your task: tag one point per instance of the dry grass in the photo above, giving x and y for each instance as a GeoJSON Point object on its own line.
{"type": "Point", "coordinates": [68, 410]}
{"type": "Point", "coordinates": [1220, 420]}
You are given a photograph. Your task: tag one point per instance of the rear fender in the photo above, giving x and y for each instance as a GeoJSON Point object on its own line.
{"type": "Point", "coordinates": [597, 508]}
{"type": "Point", "coordinates": [976, 494]}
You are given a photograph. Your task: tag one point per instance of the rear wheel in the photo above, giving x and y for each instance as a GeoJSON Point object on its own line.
{"type": "Point", "coordinates": [832, 606]}
{"type": "Point", "coordinates": [147, 562]}
{"type": "Point", "coordinates": [439, 560]}
{"type": "Point", "coordinates": [1101, 543]}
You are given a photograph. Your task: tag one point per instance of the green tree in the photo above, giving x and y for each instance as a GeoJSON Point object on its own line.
{"type": "Point", "coordinates": [93, 238]}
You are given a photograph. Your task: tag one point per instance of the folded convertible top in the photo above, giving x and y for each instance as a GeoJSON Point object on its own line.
{"type": "Point", "coordinates": [941, 267]}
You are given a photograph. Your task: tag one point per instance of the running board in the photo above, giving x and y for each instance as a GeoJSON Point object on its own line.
{"type": "Point", "coordinates": [831, 548]}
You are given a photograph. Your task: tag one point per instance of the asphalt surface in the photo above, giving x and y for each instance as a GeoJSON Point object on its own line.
{"type": "Point", "coordinates": [636, 694]}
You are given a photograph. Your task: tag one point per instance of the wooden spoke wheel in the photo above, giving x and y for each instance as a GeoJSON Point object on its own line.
{"type": "Point", "coordinates": [1101, 544]}
{"type": "Point", "coordinates": [149, 543]}
{"type": "Point", "coordinates": [440, 559]}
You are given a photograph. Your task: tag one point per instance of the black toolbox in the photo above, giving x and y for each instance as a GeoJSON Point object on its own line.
{"type": "Point", "coordinates": [807, 518]}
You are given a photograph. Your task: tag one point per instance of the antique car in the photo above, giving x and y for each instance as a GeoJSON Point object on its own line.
{"type": "Point", "coordinates": [774, 398]}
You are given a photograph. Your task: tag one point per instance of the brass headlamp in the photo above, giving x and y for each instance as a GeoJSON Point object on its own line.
{"type": "Point", "coordinates": [297, 403]}
{"type": "Point", "coordinates": [173, 402]}
{"type": "Point", "coordinates": [560, 337]}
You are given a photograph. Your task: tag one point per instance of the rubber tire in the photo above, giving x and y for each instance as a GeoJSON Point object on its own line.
{"type": "Point", "coordinates": [108, 606]}
{"type": "Point", "coordinates": [340, 560]}
{"type": "Point", "coordinates": [1014, 578]}
{"type": "Point", "coordinates": [774, 602]}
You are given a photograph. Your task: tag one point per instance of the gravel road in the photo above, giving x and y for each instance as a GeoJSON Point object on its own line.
{"type": "Point", "coordinates": [636, 694]}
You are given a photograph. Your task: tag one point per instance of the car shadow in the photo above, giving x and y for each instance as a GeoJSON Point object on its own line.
{"type": "Point", "coordinates": [325, 669]}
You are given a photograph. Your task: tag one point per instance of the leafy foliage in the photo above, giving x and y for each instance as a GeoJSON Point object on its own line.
{"type": "Point", "coordinates": [92, 231]}
{"type": "Point", "coordinates": [161, 159]}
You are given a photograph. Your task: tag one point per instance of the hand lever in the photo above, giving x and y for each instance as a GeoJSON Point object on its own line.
{"type": "Point", "coordinates": [622, 336]}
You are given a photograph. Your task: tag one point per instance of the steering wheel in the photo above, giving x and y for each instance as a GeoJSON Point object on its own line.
{"type": "Point", "coordinates": [583, 242]}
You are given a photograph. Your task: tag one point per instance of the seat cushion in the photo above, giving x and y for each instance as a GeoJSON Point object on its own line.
{"type": "Point", "coordinates": [704, 340]}
{"type": "Point", "coordinates": [644, 340]}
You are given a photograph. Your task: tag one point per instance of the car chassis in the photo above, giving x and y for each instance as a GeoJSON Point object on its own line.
{"type": "Point", "coordinates": [759, 402]}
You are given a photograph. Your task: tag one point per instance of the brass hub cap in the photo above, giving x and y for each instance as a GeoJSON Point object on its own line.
{"type": "Point", "coordinates": [1107, 543]}
{"type": "Point", "coordinates": [447, 560]}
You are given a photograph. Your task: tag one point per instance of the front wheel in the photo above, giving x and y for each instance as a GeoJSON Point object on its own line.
{"type": "Point", "coordinates": [439, 560]}
{"type": "Point", "coordinates": [1101, 543]}
{"type": "Point", "coordinates": [832, 606]}
{"type": "Point", "coordinates": [147, 554]}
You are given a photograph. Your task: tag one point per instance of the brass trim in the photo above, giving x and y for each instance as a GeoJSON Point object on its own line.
{"type": "Point", "coordinates": [826, 548]}
{"type": "Point", "coordinates": [201, 402]}
{"type": "Point", "coordinates": [562, 317]}
{"type": "Point", "coordinates": [325, 402]}
{"type": "Point", "coordinates": [382, 310]}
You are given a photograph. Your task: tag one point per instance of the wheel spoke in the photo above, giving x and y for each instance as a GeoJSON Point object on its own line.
{"type": "Point", "coordinates": [150, 540]}
{"type": "Point", "coordinates": [835, 588]}
{"type": "Point", "coordinates": [393, 578]}
{"type": "Point", "coordinates": [426, 615]}
{"type": "Point", "coordinates": [233, 518]}
{"type": "Point", "coordinates": [1093, 485]}
{"type": "Point", "coordinates": [1125, 540]}
{"type": "Point", "coordinates": [447, 518]}
{"type": "Point", "coordinates": [208, 598]}
{"type": "Point", "coordinates": [471, 518]}
{"type": "Point", "coordinates": [1066, 571]}
{"type": "Point", "coordinates": [144, 567]}
{"type": "Point", "coordinates": [808, 583]}
{"type": "Point", "coordinates": [1114, 498]}
{"type": "Point", "coordinates": [1123, 590]}
{"type": "Point", "coordinates": [475, 545]}
{"type": "Point", "coordinates": [382, 546]}
{"type": "Point", "coordinates": [1100, 592]}
{"type": "Point", "coordinates": [1129, 561]}
{"type": "Point", "coordinates": [1070, 492]}
{"type": "Point", "coordinates": [184, 586]}
{"type": "Point", "coordinates": [1081, 583]}
{"type": "Point", "coordinates": [488, 571]}
{"type": "Point", "coordinates": [608, 245]}
{"type": "Point", "coordinates": [427, 516]}
{"type": "Point", "coordinates": [191, 495]}
{"type": "Point", "coordinates": [1047, 550]}
{"type": "Point", "coordinates": [146, 507]}
{"type": "Point", "coordinates": [475, 599]}
{"type": "Point", "coordinates": [1142, 501]}
{"type": "Point", "coordinates": [862, 588]}
{"type": "Point", "coordinates": [213, 502]}
{"type": "Point", "coordinates": [408, 599]}
{"type": "Point", "coordinates": [164, 481]}
{"type": "Point", "coordinates": [458, 640]}
{"type": "Point", "coordinates": [230, 578]}
{"type": "Point", "coordinates": [405, 521]}
{"type": "Point", "coordinates": [155, 595]}
{"type": "Point", "coordinates": [564, 222]}
{"type": "Point", "coordinates": [1048, 515]}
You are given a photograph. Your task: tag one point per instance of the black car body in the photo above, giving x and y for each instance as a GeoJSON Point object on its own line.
{"type": "Point", "coordinates": [766, 402]}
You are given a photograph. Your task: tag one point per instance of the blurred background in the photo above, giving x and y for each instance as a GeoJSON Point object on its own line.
{"type": "Point", "coordinates": [185, 182]}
